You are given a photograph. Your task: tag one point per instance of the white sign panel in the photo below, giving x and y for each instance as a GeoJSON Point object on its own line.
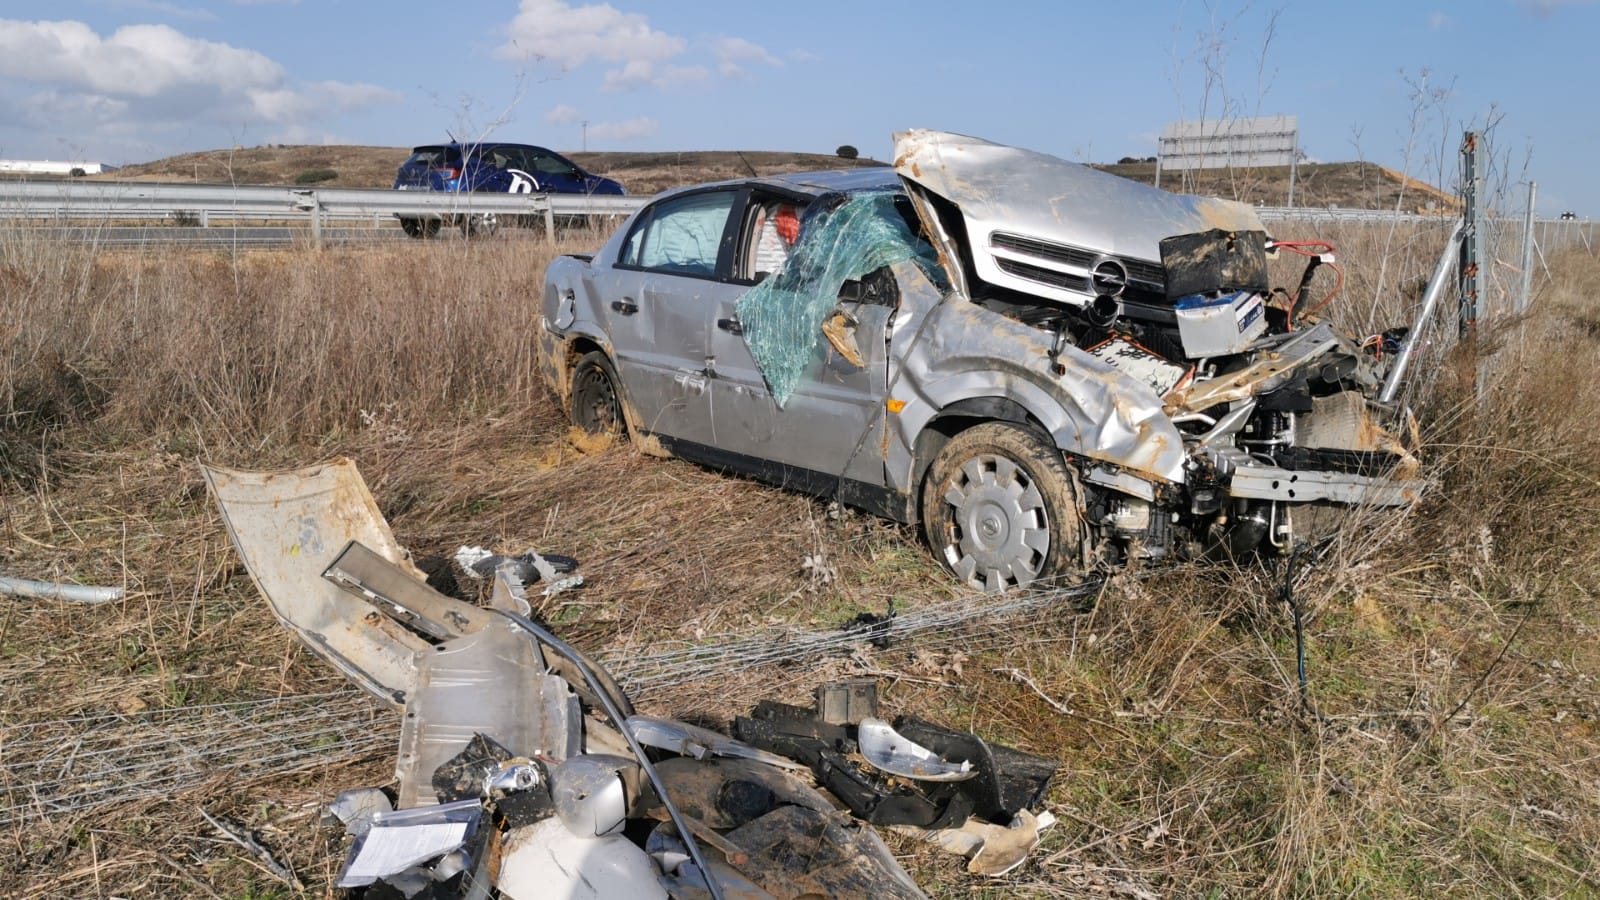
{"type": "Point", "coordinates": [1230, 143]}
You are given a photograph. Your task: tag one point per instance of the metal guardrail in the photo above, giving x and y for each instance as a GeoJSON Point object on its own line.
{"type": "Point", "coordinates": [200, 204]}
{"type": "Point", "coordinates": [1340, 214]}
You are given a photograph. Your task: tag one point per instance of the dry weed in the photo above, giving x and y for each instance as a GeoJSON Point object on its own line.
{"type": "Point", "coordinates": [1446, 746]}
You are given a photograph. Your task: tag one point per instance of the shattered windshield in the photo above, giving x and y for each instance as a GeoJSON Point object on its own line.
{"type": "Point", "coordinates": [783, 315]}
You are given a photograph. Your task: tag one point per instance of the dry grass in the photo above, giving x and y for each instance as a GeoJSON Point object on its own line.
{"type": "Point", "coordinates": [1450, 747]}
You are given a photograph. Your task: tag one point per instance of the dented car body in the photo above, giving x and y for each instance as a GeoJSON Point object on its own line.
{"type": "Point", "coordinates": [1047, 366]}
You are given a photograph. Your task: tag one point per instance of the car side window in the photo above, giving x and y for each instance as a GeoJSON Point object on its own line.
{"type": "Point", "coordinates": [682, 235]}
{"type": "Point", "coordinates": [771, 229]}
{"type": "Point", "coordinates": [550, 165]}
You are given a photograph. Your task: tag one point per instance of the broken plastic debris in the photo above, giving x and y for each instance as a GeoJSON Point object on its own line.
{"type": "Point", "coordinates": [990, 849]}
{"type": "Point", "coordinates": [886, 749]}
{"type": "Point", "coordinates": [591, 793]}
{"type": "Point", "coordinates": [698, 743]}
{"type": "Point", "coordinates": [531, 566]}
{"type": "Point", "coordinates": [847, 702]}
{"type": "Point", "coordinates": [355, 809]}
{"type": "Point", "coordinates": [547, 860]}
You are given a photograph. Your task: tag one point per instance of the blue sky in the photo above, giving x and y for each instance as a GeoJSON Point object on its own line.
{"type": "Point", "coordinates": [1394, 82]}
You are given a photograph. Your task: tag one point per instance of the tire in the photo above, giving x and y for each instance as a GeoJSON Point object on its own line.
{"type": "Point", "coordinates": [480, 225]}
{"type": "Point", "coordinates": [596, 405]}
{"type": "Point", "coordinates": [420, 228]}
{"type": "Point", "coordinates": [1001, 510]}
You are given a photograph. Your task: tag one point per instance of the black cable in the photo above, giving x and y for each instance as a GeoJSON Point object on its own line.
{"type": "Point", "coordinates": [1292, 567]}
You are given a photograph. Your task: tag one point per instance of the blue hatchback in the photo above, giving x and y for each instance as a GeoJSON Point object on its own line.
{"type": "Point", "coordinates": [506, 168]}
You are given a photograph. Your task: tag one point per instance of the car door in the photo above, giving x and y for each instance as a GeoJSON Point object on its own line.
{"type": "Point", "coordinates": [555, 174]}
{"type": "Point", "coordinates": [517, 171]}
{"type": "Point", "coordinates": [661, 294]}
{"type": "Point", "coordinates": [831, 425]}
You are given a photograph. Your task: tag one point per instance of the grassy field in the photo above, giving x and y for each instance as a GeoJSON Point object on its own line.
{"type": "Point", "coordinates": [1446, 744]}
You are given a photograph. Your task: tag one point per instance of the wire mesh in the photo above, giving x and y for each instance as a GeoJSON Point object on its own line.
{"type": "Point", "coordinates": [70, 765]}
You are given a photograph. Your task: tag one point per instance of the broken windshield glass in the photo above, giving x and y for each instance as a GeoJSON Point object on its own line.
{"type": "Point", "coordinates": [782, 316]}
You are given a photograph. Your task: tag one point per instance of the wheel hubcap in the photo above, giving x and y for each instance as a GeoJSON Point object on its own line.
{"type": "Point", "coordinates": [595, 403]}
{"type": "Point", "coordinates": [1000, 532]}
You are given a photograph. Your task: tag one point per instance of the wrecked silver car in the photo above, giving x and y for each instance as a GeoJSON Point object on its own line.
{"type": "Point", "coordinates": [1048, 366]}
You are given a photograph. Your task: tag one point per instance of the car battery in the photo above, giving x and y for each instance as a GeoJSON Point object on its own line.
{"type": "Point", "coordinates": [1218, 324]}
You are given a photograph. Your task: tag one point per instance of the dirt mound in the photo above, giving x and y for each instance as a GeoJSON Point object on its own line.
{"type": "Point", "coordinates": [1348, 185]}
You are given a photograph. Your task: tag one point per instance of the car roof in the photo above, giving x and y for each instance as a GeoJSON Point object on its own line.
{"type": "Point", "coordinates": [485, 145]}
{"type": "Point", "coordinates": [866, 178]}
{"type": "Point", "coordinates": [830, 181]}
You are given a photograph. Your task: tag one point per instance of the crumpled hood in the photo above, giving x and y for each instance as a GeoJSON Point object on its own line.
{"type": "Point", "coordinates": [1040, 224]}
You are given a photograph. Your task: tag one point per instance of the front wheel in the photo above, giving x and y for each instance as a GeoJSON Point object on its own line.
{"type": "Point", "coordinates": [1001, 510]}
{"type": "Point", "coordinates": [596, 406]}
{"type": "Point", "coordinates": [480, 225]}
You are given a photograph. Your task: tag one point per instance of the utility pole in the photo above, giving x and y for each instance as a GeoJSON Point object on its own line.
{"type": "Point", "coordinates": [585, 124]}
{"type": "Point", "coordinates": [1525, 296]}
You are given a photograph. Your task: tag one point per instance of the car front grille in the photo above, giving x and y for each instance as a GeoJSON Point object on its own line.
{"type": "Point", "coordinates": [1143, 276]}
{"type": "Point", "coordinates": [1051, 277]}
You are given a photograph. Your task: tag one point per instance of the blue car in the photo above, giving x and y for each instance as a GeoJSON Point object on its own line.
{"type": "Point", "coordinates": [498, 167]}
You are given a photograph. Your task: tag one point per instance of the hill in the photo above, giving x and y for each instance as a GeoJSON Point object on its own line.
{"type": "Point", "coordinates": [374, 167]}
{"type": "Point", "coordinates": [1356, 185]}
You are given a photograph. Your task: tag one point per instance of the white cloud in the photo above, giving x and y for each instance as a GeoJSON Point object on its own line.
{"type": "Point", "coordinates": [315, 100]}
{"type": "Point", "coordinates": [573, 35]}
{"type": "Point", "coordinates": [628, 130]}
{"type": "Point", "coordinates": [562, 114]}
{"type": "Point", "coordinates": [137, 61]}
{"type": "Point", "coordinates": [1547, 8]}
{"type": "Point", "coordinates": [1438, 20]}
{"type": "Point", "coordinates": [153, 81]}
{"type": "Point", "coordinates": [640, 73]}
{"type": "Point", "coordinates": [803, 56]}
{"type": "Point", "coordinates": [734, 52]}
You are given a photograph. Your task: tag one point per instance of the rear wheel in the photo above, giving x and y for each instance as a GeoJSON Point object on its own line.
{"type": "Point", "coordinates": [596, 406]}
{"type": "Point", "coordinates": [1001, 510]}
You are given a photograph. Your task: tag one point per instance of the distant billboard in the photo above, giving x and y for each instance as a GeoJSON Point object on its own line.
{"type": "Point", "coordinates": [1229, 143]}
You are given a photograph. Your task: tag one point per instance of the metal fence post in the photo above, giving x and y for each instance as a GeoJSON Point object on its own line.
{"type": "Point", "coordinates": [1525, 297]}
{"type": "Point", "coordinates": [1470, 269]}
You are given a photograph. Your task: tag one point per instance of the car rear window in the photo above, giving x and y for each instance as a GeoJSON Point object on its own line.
{"type": "Point", "coordinates": [431, 157]}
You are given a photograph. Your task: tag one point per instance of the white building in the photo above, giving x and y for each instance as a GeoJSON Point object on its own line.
{"type": "Point", "coordinates": [47, 167]}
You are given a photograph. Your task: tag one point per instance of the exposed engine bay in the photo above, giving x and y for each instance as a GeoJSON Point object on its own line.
{"type": "Point", "coordinates": [1274, 408]}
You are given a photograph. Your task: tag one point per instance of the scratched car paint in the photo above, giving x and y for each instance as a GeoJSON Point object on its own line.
{"type": "Point", "coordinates": [1048, 367]}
